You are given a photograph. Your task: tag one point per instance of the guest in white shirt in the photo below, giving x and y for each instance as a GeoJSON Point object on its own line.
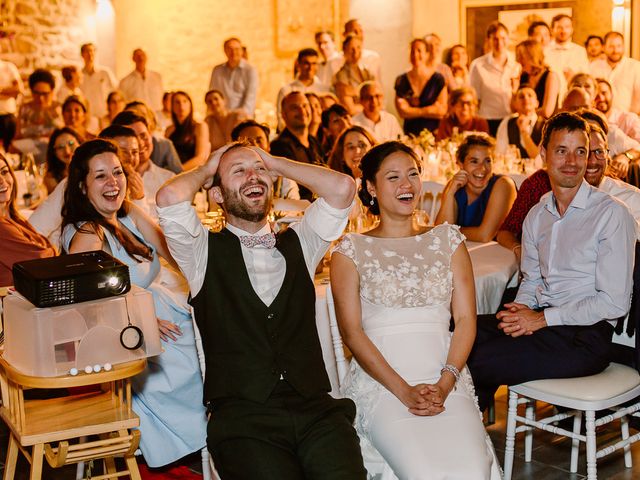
{"type": "Point", "coordinates": [285, 383]}
{"type": "Point", "coordinates": [97, 81]}
{"type": "Point", "coordinates": [562, 55]}
{"type": "Point", "coordinates": [597, 165]}
{"type": "Point", "coordinates": [383, 125]}
{"type": "Point", "coordinates": [369, 58]}
{"type": "Point", "coordinates": [628, 122]}
{"type": "Point", "coordinates": [540, 32]}
{"type": "Point", "coordinates": [594, 46]}
{"type": "Point", "coordinates": [578, 246]}
{"type": "Point", "coordinates": [332, 58]}
{"type": "Point", "coordinates": [71, 86]}
{"type": "Point", "coordinates": [306, 80]}
{"type": "Point", "coordinates": [624, 149]}
{"type": "Point", "coordinates": [522, 129]}
{"type": "Point", "coordinates": [622, 72]}
{"type": "Point", "coordinates": [236, 78]}
{"type": "Point", "coordinates": [495, 76]}
{"type": "Point", "coordinates": [152, 175]}
{"type": "Point", "coordinates": [143, 84]}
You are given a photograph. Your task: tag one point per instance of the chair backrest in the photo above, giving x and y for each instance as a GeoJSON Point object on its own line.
{"type": "Point", "coordinates": [431, 198]}
{"type": "Point", "coordinates": [342, 365]}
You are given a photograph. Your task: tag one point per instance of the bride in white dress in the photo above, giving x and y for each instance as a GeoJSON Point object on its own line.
{"type": "Point", "coordinates": [396, 289]}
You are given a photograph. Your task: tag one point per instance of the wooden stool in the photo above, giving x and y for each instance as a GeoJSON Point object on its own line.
{"type": "Point", "coordinates": [47, 426]}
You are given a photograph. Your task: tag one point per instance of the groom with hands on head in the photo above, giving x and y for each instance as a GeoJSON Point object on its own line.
{"type": "Point", "coordinates": [578, 246]}
{"type": "Point", "coordinates": [253, 296]}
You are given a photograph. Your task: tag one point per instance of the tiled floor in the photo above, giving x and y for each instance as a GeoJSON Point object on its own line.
{"type": "Point", "coordinates": [550, 455]}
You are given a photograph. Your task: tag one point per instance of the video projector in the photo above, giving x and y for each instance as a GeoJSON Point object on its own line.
{"type": "Point", "coordinates": [79, 277]}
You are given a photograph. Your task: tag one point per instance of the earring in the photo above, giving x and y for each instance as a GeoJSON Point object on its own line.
{"type": "Point", "coordinates": [372, 202]}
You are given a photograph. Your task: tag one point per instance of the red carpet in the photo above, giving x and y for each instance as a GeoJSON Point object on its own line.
{"type": "Point", "coordinates": [167, 473]}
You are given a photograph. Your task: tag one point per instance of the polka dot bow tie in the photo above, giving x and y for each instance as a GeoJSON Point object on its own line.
{"type": "Point", "coordinates": [268, 240]}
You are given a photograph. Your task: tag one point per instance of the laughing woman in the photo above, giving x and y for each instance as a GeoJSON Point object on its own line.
{"type": "Point", "coordinates": [97, 216]}
{"type": "Point", "coordinates": [396, 289]}
{"type": "Point", "coordinates": [476, 199]}
{"type": "Point", "coordinates": [19, 241]}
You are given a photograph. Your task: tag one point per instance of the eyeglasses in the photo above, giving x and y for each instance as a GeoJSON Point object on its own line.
{"type": "Point", "coordinates": [600, 153]}
{"type": "Point", "coordinates": [40, 93]}
{"type": "Point", "coordinates": [70, 144]}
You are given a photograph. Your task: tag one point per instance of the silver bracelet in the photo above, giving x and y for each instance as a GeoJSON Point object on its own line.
{"type": "Point", "coordinates": [452, 370]}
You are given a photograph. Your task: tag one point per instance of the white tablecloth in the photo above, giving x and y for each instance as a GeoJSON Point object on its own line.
{"type": "Point", "coordinates": [494, 269]}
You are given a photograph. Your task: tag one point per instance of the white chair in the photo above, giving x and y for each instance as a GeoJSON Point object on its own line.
{"type": "Point", "coordinates": [431, 198]}
{"type": "Point", "coordinates": [374, 464]}
{"type": "Point", "coordinates": [616, 385]}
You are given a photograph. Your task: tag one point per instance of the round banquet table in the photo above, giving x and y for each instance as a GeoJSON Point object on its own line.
{"type": "Point", "coordinates": [494, 269]}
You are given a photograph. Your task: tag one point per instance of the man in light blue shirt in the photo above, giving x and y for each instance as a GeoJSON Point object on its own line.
{"type": "Point", "coordinates": [236, 79]}
{"type": "Point", "coordinates": [577, 262]}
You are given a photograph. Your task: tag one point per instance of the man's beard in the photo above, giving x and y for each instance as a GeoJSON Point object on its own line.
{"type": "Point", "coordinates": [235, 205]}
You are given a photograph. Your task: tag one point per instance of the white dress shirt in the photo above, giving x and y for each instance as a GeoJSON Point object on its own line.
{"type": "Point", "coordinates": [627, 194]}
{"type": "Point", "coordinates": [493, 84]}
{"type": "Point", "coordinates": [502, 135]}
{"type": "Point", "coordinates": [628, 122]}
{"type": "Point", "coordinates": [568, 55]}
{"type": "Point", "coordinates": [625, 80]}
{"type": "Point", "coordinates": [620, 142]}
{"type": "Point", "coordinates": [9, 75]}
{"type": "Point", "coordinates": [327, 70]}
{"type": "Point", "coordinates": [148, 89]}
{"type": "Point", "coordinates": [578, 265]}
{"type": "Point", "coordinates": [188, 242]}
{"type": "Point", "coordinates": [385, 130]}
{"type": "Point", "coordinates": [239, 85]}
{"type": "Point", "coordinates": [152, 179]}
{"type": "Point", "coordinates": [96, 87]}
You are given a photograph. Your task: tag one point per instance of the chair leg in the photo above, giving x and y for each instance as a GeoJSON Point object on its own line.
{"type": "Point", "coordinates": [624, 428]}
{"type": "Point", "coordinates": [491, 413]}
{"type": "Point", "coordinates": [511, 435]}
{"type": "Point", "coordinates": [575, 443]}
{"type": "Point", "coordinates": [530, 414]}
{"type": "Point", "coordinates": [132, 466]}
{"type": "Point", "coordinates": [206, 466]}
{"type": "Point", "coordinates": [12, 459]}
{"type": "Point", "coordinates": [590, 426]}
{"type": "Point", "coordinates": [37, 455]}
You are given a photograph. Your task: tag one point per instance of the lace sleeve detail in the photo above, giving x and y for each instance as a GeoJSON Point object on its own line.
{"type": "Point", "coordinates": [455, 237]}
{"type": "Point", "coordinates": [345, 247]}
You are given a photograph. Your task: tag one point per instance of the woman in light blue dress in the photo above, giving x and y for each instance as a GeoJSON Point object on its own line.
{"type": "Point", "coordinates": [97, 216]}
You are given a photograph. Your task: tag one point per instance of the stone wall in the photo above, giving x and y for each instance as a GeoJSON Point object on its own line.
{"type": "Point", "coordinates": [44, 33]}
{"type": "Point", "coordinates": [185, 43]}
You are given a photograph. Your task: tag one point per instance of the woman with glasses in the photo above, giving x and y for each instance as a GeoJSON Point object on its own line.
{"type": "Point", "coordinates": [62, 144]}
{"type": "Point", "coordinates": [462, 115]}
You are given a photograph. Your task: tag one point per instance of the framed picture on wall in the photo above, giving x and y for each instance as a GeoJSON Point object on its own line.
{"type": "Point", "coordinates": [518, 21]}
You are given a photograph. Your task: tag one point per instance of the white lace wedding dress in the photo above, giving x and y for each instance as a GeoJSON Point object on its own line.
{"type": "Point", "coordinates": [405, 292]}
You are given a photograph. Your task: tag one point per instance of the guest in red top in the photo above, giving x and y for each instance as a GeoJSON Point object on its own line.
{"type": "Point", "coordinates": [18, 239]}
{"type": "Point", "coordinates": [530, 192]}
{"type": "Point", "coordinates": [462, 114]}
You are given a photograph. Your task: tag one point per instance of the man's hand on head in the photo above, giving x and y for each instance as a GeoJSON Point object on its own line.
{"type": "Point", "coordinates": [211, 165]}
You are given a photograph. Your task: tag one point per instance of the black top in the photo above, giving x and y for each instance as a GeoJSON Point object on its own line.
{"type": "Point", "coordinates": [540, 88]}
{"type": "Point", "coordinates": [287, 145]}
{"type": "Point", "coordinates": [427, 97]}
{"type": "Point", "coordinates": [513, 132]}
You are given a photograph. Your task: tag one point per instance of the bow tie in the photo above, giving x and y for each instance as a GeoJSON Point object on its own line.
{"type": "Point", "coordinates": [268, 240]}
